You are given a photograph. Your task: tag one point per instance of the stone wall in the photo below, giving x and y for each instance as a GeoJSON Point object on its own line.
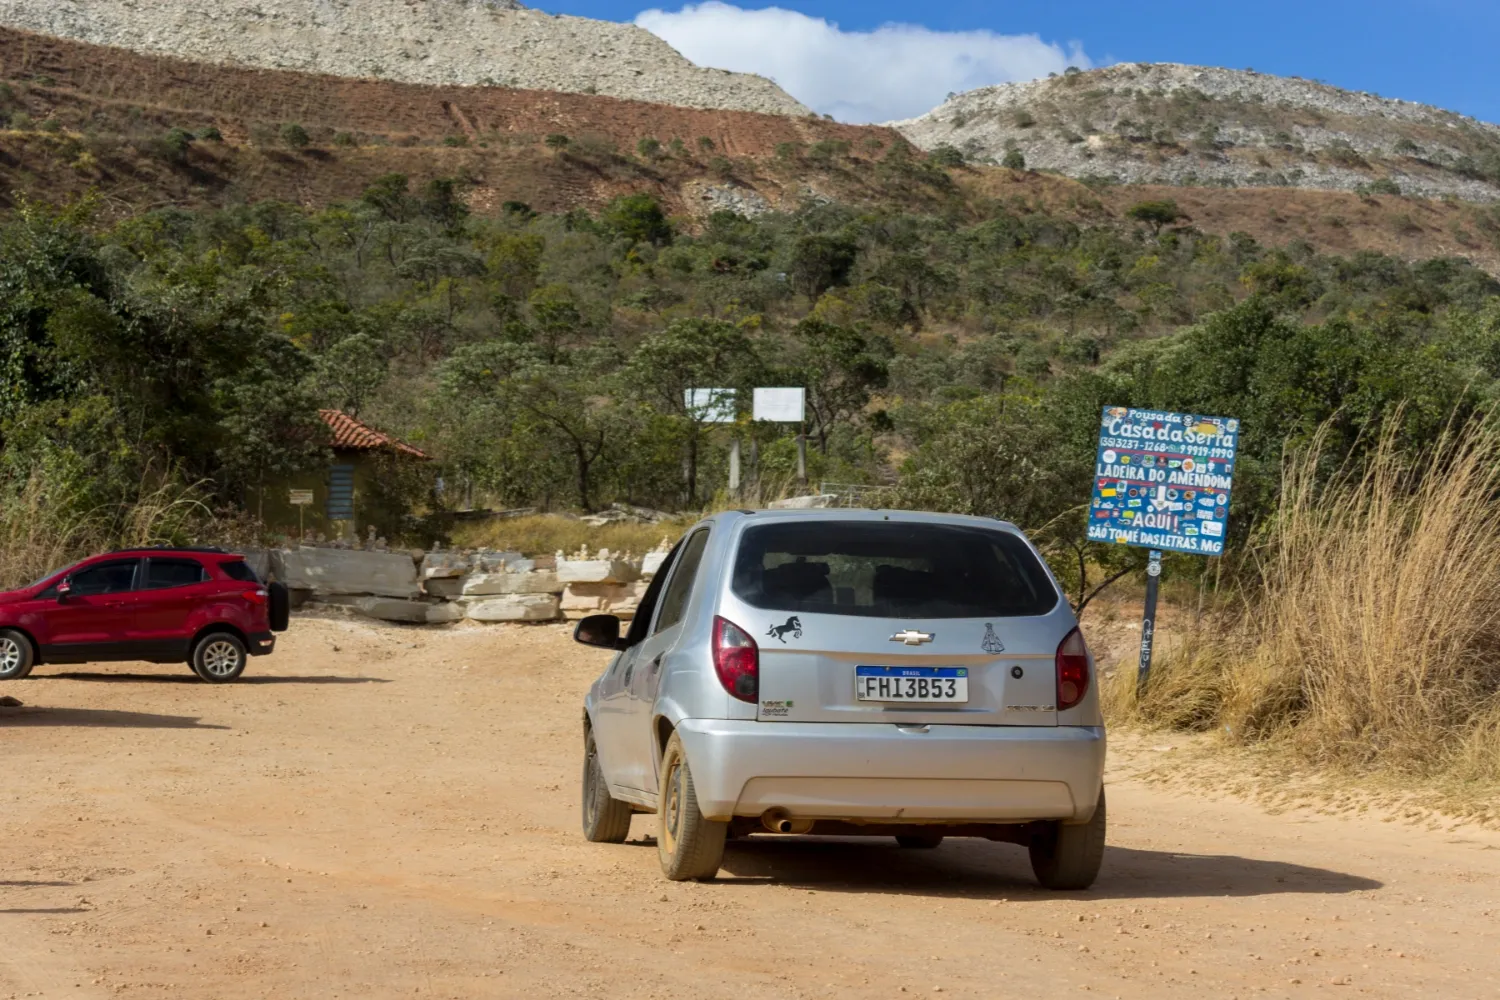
{"type": "Point", "coordinates": [481, 586]}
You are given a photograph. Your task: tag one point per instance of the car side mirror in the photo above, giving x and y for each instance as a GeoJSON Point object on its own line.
{"type": "Point", "coordinates": [599, 630]}
{"type": "Point", "coordinates": [64, 590]}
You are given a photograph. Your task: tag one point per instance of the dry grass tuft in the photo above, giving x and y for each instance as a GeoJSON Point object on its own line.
{"type": "Point", "coordinates": [1372, 635]}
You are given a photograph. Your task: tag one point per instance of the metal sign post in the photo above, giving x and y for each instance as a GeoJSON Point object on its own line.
{"type": "Point", "coordinates": [1148, 620]}
{"type": "Point", "coordinates": [301, 499]}
{"type": "Point", "coordinates": [1162, 482]}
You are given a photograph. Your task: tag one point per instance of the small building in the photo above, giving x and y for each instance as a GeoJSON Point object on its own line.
{"type": "Point", "coordinates": [371, 480]}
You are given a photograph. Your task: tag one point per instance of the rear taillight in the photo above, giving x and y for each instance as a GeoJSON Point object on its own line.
{"type": "Point", "coordinates": [257, 596]}
{"type": "Point", "coordinates": [736, 660]}
{"type": "Point", "coordinates": [1072, 671]}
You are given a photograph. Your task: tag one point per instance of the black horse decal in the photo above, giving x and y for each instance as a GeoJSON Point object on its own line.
{"type": "Point", "coordinates": [793, 626]}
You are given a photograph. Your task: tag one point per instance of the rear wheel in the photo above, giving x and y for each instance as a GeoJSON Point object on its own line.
{"type": "Point", "coordinates": [606, 820]}
{"type": "Point", "coordinates": [219, 657]}
{"type": "Point", "coordinates": [16, 655]}
{"type": "Point", "coordinates": [1069, 857]}
{"type": "Point", "coordinates": [689, 845]}
{"type": "Point", "coordinates": [920, 841]}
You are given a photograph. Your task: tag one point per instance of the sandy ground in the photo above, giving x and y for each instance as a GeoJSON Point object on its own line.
{"type": "Point", "coordinates": [383, 812]}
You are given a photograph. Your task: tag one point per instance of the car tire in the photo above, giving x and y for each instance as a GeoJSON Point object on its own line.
{"type": "Point", "coordinates": [1069, 857]}
{"type": "Point", "coordinates": [219, 657]}
{"type": "Point", "coordinates": [606, 820]}
{"type": "Point", "coordinates": [17, 656]}
{"type": "Point", "coordinates": [920, 841]}
{"type": "Point", "coordinates": [690, 846]}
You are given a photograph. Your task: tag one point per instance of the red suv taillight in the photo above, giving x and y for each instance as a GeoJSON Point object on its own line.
{"type": "Point", "coordinates": [736, 660]}
{"type": "Point", "coordinates": [1072, 671]}
{"type": "Point", "coordinates": [257, 595]}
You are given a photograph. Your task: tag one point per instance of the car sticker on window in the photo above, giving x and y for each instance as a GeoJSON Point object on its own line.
{"type": "Point", "coordinates": [992, 643]}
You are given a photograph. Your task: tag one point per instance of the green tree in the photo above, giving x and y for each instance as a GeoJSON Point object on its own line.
{"type": "Point", "coordinates": [1156, 214]}
{"type": "Point", "coordinates": [840, 367]}
{"type": "Point", "coordinates": [690, 354]}
{"type": "Point", "coordinates": [295, 135]}
{"type": "Point", "coordinates": [639, 218]}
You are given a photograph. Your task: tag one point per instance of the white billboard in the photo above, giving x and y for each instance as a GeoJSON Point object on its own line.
{"type": "Point", "coordinates": [710, 406]}
{"type": "Point", "coordinates": [781, 406]}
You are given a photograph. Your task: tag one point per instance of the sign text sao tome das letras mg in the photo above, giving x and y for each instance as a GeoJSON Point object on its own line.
{"type": "Point", "coordinates": [1162, 480]}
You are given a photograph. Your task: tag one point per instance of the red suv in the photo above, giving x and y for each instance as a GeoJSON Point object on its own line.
{"type": "Point", "coordinates": [204, 607]}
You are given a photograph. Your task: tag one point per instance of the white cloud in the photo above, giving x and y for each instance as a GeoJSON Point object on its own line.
{"type": "Point", "coordinates": [896, 71]}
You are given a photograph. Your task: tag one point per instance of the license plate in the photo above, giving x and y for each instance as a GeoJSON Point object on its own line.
{"type": "Point", "coordinates": [932, 685]}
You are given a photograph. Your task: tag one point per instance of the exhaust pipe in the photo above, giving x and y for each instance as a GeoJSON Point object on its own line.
{"type": "Point", "coordinates": [780, 821]}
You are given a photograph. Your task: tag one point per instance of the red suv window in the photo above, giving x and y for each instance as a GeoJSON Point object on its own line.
{"type": "Point", "coordinates": [162, 574]}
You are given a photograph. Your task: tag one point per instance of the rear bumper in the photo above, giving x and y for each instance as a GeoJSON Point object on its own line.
{"type": "Point", "coordinates": [262, 643]}
{"type": "Point", "coordinates": [880, 773]}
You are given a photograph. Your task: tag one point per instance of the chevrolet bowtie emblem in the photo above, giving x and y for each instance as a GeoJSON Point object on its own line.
{"type": "Point", "coordinates": [912, 637]}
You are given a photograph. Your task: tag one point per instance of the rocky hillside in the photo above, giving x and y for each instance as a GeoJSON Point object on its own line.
{"type": "Point", "coordinates": [468, 42]}
{"type": "Point", "coordinates": [1184, 125]}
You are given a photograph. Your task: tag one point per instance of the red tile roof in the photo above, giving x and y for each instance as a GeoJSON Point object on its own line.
{"type": "Point", "coordinates": [349, 434]}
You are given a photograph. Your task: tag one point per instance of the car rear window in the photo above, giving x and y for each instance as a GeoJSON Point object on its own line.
{"type": "Point", "coordinates": [890, 569]}
{"type": "Point", "coordinates": [241, 571]}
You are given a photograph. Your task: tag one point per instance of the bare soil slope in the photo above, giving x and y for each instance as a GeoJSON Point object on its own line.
{"type": "Point", "coordinates": [379, 812]}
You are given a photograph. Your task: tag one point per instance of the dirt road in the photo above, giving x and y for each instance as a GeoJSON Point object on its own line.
{"type": "Point", "coordinates": [380, 812]}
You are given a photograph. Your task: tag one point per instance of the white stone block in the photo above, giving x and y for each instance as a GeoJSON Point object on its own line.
{"type": "Point", "coordinates": [486, 584]}
{"type": "Point", "coordinates": [392, 610]}
{"type": "Point", "coordinates": [514, 608]}
{"type": "Point", "coordinates": [442, 614]}
{"type": "Point", "coordinates": [609, 569]}
{"type": "Point", "coordinates": [347, 571]}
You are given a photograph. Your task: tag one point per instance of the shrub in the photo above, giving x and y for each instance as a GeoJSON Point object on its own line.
{"type": "Point", "coordinates": [210, 134]}
{"type": "Point", "coordinates": [723, 166]}
{"type": "Point", "coordinates": [1023, 119]}
{"type": "Point", "coordinates": [1383, 186]}
{"type": "Point", "coordinates": [1014, 160]}
{"type": "Point", "coordinates": [649, 148]}
{"type": "Point", "coordinates": [295, 135]}
{"type": "Point", "coordinates": [1405, 147]}
{"type": "Point", "coordinates": [706, 144]}
{"type": "Point", "coordinates": [788, 152]}
{"type": "Point", "coordinates": [638, 217]}
{"type": "Point", "coordinates": [51, 125]}
{"type": "Point", "coordinates": [345, 139]}
{"type": "Point", "coordinates": [678, 147]}
{"type": "Point", "coordinates": [947, 156]}
{"type": "Point", "coordinates": [456, 141]}
{"type": "Point", "coordinates": [827, 150]}
{"type": "Point", "coordinates": [557, 141]}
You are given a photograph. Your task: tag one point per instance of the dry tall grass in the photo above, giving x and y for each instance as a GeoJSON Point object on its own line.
{"type": "Point", "coordinates": [46, 522]}
{"type": "Point", "coordinates": [1371, 636]}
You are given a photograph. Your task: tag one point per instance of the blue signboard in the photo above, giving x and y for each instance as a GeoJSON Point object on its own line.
{"type": "Point", "coordinates": [1162, 480]}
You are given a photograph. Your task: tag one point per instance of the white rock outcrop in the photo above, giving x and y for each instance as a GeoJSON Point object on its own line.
{"type": "Point", "coordinates": [1165, 123]}
{"type": "Point", "coordinates": [465, 42]}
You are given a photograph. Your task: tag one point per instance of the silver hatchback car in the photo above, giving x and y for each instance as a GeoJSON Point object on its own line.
{"type": "Point", "coordinates": [849, 673]}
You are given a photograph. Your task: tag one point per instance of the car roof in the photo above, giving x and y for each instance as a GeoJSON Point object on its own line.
{"type": "Point", "coordinates": [168, 550]}
{"type": "Point", "coordinates": [866, 514]}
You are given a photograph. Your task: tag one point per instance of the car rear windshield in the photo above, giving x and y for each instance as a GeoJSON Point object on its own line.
{"type": "Point", "coordinates": [240, 570]}
{"type": "Point", "coordinates": [890, 569]}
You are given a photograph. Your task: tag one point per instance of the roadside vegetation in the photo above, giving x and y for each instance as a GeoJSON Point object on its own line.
{"type": "Point", "coordinates": [152, 370]}
{"type": "Point", "coordinates": [1364, 627]}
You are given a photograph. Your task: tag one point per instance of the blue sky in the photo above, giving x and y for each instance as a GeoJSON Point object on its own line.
{"type": "Point", "coordinates": [1442, 52]}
